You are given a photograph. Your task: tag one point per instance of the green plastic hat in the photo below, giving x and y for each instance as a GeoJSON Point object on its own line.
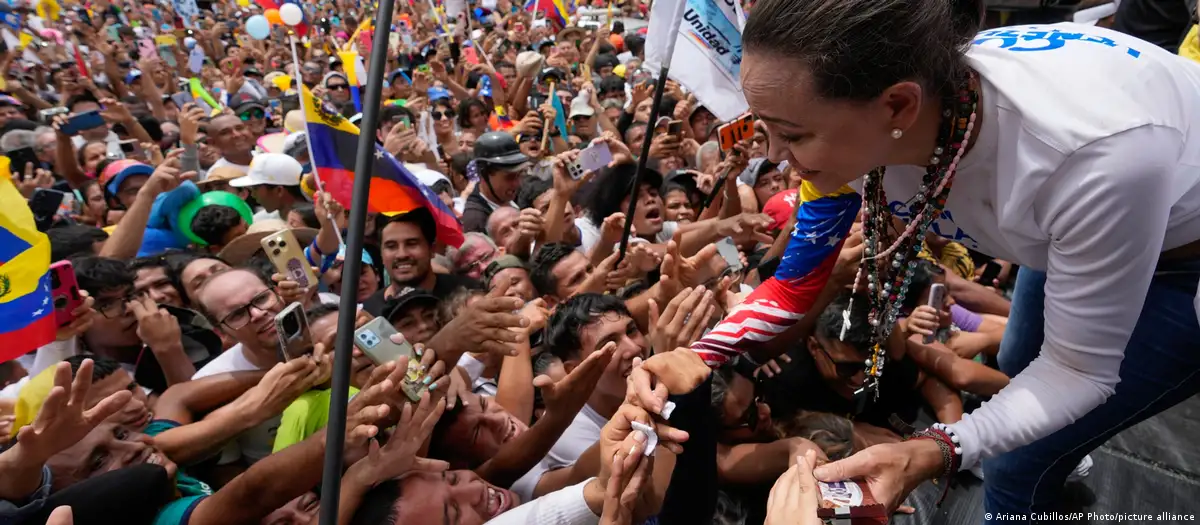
{"type": "Point", "coordinates": [183, 221]}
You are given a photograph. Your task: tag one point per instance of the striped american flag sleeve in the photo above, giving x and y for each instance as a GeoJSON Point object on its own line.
{"type": "Point", "coordinates": [822, 223]}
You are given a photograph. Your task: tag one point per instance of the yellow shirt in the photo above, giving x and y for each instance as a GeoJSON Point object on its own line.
{"type": "Point", "coordinates": [1190, 47]}
{"type": "Point", "coordinates": [304, 417]}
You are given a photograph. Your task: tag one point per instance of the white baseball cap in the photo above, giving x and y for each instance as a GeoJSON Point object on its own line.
{"type": "Point", "coordinates": [275, 169]}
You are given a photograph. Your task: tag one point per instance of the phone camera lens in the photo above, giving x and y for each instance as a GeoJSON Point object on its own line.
{"type": "Point", "coordinates": [59, 302]}
{"type": "Point", "coordinates": [276, 252]}
{"type": "Point", "coordinates": [282, 244]}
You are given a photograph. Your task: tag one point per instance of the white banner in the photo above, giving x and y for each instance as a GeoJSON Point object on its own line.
{"type": "Point", "coordinates": [707, 43]}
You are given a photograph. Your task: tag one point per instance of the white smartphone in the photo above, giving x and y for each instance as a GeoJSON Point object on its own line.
{"type": "Point", "coordinates": [729, 251]}
{"type": "Point", "coordinates": [291, 325]}
{"type": "Point", "coordinates": [937, 298]}
{"type": "Point", "coordinates": [594, 158]}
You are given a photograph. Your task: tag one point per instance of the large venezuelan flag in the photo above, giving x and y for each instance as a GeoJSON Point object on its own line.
{"type": "Point", "coordinates": [555, 10]}
{"type": "Point", "coordinates": [822, 224]}
{"type": "Point", "coordinates": [26, 312]}
{"type": "Point", "coordinates": [334, 143]}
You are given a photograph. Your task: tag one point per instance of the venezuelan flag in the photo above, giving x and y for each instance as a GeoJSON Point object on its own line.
{"type": "Point", "coordinates": [26, 313]}
{"type": "Point", "coordinates": [334, 143]}
{"type": "Point", "coordinates": [822, 224]}
{"type": "Point", "coordinates": [555, 10]}
{"type": "Point", "coordinates": [350, 67]}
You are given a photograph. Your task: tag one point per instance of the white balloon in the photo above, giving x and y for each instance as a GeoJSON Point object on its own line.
{"type": "Point", "coordinates": [291, 14]}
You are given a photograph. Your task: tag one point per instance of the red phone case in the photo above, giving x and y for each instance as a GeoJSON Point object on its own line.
{"type": "Point", "coordinates": [64, 292]}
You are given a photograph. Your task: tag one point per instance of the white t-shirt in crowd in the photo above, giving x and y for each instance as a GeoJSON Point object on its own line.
{"type": "Point", "coordinates": [1086, 166]}
{"type": "Point", "coordinates": [582, 434]}
{"type": "Point", "coordinates": [589, 233]}
{"type": "Point", "coordinates": [256, 443]}
{"type": "Point", "coordinates": [222, 162]}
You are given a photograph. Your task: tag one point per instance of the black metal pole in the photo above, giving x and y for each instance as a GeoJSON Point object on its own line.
{"type": "Point", "coordinates": [335, 435]}
{"type": "Point", "coordinates": [659, 87]}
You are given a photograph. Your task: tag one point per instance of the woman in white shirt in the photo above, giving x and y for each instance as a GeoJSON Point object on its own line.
{"type": "Point", "coordinates": [1068, 149]}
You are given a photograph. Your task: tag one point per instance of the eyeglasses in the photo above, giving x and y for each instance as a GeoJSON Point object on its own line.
{"type": "Point", "coordinates": [113, 308]}
{"type": "Point", "coordinates": [844, 369]}
{"type": "Point", "coordinates": [338, 87]}
{"type": "Point", "coordinates": [437, 115]}
{"type": "Point", "coordinates": [255, 114]}
{"type": "Point", "coordinates": [239, 317]}
{"type": "Point", "coordinates": [750, 418]}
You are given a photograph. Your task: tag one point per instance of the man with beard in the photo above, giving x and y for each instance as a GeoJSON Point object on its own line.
{"type": "Point", "coordinates": [406, 247]}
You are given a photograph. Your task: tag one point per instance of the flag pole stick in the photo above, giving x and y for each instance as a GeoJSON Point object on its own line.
{"type": "Point", "coordinates": [308, 143]}
{"type": "Point", "coordinates": [659, 87]}
{"type": "Point", "coordinates": [363, 167]}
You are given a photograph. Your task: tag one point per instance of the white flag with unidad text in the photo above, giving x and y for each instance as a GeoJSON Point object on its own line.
{"type": "Point", "coordinates": [707, 59]}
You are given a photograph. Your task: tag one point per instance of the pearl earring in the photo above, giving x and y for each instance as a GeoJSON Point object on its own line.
{"type": "Point", "coordinates": [897, 133]}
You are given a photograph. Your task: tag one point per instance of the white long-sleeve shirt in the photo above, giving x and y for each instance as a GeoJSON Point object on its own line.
{"type": "Point", "coordinates": [1086, 166]}
{"type": "Point", "coordinates": [561, 507]}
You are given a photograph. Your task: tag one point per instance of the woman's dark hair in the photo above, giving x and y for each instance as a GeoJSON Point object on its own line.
{"type": "Point", "coordinates": [69, 240]}
{"type": "Point", "coordinates": [307, 214]}
{"type": "Point", "coordinates": [854, 49]}
{"type": "Point", "coordinates": [464, 111]}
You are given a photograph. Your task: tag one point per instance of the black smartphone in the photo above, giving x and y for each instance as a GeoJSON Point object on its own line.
{"type": "Point", "coordinates": [991, 270]}
{"type": "Point", "coordinates": [19, 157]}
{"type": "Point", "coordinates": [44, 204]}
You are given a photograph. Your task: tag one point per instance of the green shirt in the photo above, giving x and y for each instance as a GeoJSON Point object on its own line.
{"type": "Point", "coordinates": [304, 417]}
{"type": "Point", "coordinates": [191, 490]}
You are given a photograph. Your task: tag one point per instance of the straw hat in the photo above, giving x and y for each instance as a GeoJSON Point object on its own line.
{"type": "Point", "coordinates": [241, 249]}
{"type": "Point", "coordinates": [221, 174]}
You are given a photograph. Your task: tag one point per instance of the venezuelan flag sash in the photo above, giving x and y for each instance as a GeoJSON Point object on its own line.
{"type": "Point", "coordinates": [822, 224]}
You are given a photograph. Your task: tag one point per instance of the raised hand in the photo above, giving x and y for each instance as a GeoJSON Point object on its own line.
{"type": "Point", "coordinates": [568, 395]}
{"type": "Point", "coordinates": [795, 498]}
{"type": "Point", "coordinates": [283, 383]}
{"type": "Point", "coordinates": [62, 420]}
{"type": "Point", "coordinates": [486, 325]}
{"type": "Point", "coordinates": [84, 317]}
{"type": "Point", "coordinates": [676, 372]}
{"type": "Point", "coordinates": [399, 455]}
{"type": "Point", "coordinates": [684, 319]}
{"type": "Point", "coordinates": [155, 326]}
{"type": "Point", "coordinates": [629, 474]}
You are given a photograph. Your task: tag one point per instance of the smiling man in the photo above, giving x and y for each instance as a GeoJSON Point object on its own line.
{"type": "Point", "coordinates": [240, 304]}
{"type": "Point", "coordinates": [406, 247]}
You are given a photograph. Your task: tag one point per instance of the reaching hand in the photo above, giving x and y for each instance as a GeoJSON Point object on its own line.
{"type": "Point", "coordinates": [484, 325]}
{"type": "Point", "coordinates": [115, 112]}
{"type": "Point", "coordinates": [891, 470]}
{"type": "Point", "coordinates": [746, 227]}
{"type": "Point", "coordinates": [630, 472]}
{"type": "Point", "coordinates": [531, 225]}
{"type": "Point", "coordinates": [613, 228]}
{"type": "Point", "coordinates": [564, 184]}
{"type": "Point", "coordinates": [166, 176]}
{"type": "Point", "coordinates": [155, 326]}
{"type": "Point", "coordinates": [683, 321]}
{"type": "Point", "coordinates": [923, 321]}
{"type": "Point", "coordinates": [283, 383]}
{"type": "Point", "coordinates": [291, 292]}
{"type": "Point", "coordinates": [569, 394]}
{"type": "Point", "coordinates": [678, 271]}
{"type": "Point", "coordinates": [677, 372]}
{"type": "Point", "coordinates": [33, 180]}
{"type": "Point", "coordinates": [84, 317]}
{"type": "Point", "coordinates": [190, 119]}
{"type": "Point", "coordinates": [620, 152]}
{"type": "Point", "coordinates": [795, 497]}
{"type": "Point", "coordinates": [399, 455]}
{"type": "Point", "coordinates": [62, 420]}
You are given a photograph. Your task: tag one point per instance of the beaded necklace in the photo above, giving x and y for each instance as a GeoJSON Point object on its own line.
{"type": "Point", "coordinates": [888, 281]}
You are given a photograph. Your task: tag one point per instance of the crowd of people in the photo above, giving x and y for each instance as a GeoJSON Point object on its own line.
{"type": "Point", "coordinates": [170, 394]}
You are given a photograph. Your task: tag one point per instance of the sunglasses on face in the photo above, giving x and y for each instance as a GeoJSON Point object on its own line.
{"type": "Point", "coordinates": [338, 87]}
{"type": "Point", "coordinates": [844, 369]}
{"type": "Point", "coordinates": [255, 114]}
{"type": "Point", "coordinates": [437, 115]}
